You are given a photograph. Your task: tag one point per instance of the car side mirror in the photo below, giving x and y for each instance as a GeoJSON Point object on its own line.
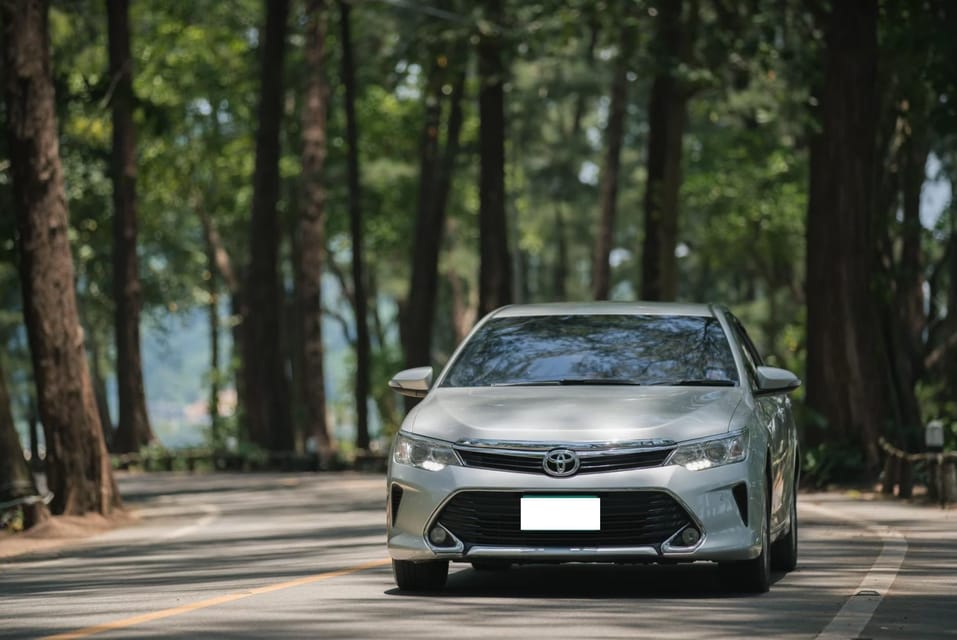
{"type": "Point", "coordinates": [774, 380]}
{"type": "Point", "coordinates": [414, 383]}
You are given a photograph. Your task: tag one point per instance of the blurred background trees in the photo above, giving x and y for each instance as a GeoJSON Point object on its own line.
{"type": "Point", "coordinates": [321, 193]}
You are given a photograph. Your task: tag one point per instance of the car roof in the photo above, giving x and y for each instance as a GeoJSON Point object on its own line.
{"type": "Point", "coordinates": [605, 308]}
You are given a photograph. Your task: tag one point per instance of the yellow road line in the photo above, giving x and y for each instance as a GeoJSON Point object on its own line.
{"type": "Point", "coordinates": [211, 602]}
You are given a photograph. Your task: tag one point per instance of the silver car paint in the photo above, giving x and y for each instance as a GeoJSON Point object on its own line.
{"type": "Point", "coordinates": [574, 414]}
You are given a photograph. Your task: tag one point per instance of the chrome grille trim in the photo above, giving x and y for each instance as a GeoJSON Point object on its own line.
{"type": "Point", "coordinates": [615, 457]}
{"type": "Point", "coordinates": [580, 447]}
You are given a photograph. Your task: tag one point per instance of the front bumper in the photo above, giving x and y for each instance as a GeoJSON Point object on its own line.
{"type": "Point", "coordinates": [730, 530]}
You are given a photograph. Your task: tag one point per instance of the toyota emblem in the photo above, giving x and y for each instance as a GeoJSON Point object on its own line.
{"type": "Point", "coordinates": [561, 463]}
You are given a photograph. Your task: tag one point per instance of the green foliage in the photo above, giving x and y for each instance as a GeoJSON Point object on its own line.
{"type": "Point", "coordinates": [752, 75]}
{"type": "Point", "coordinates": [832, 463]}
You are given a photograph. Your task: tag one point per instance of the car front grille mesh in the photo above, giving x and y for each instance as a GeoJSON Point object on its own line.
{"type": "Point", "coordinates": [628, 519]}
{"type": "Point", "coordinates": [532, 463]}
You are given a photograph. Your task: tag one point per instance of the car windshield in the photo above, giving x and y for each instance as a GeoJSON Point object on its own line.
{"type": "Point", "coordinates": [596, 349]}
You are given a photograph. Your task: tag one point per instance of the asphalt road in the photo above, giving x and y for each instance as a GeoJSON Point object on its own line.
{"type": "Point", "coordinates": [302, 556]}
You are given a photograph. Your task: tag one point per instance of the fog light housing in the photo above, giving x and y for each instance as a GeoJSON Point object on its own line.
{"type": "Point", "coordinates": [439, 536]}
{"type": "Point", "coordinates": [690, 537]}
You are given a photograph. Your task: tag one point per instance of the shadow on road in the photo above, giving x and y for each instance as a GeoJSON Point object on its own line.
{"type": "Point", "coordinates": [597, 581]}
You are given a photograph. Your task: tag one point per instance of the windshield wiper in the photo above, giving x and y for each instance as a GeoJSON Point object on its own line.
{"type": "Point", "coordinates": [694, 382]}
{"type": "Point", "coordinates": [571, 382]}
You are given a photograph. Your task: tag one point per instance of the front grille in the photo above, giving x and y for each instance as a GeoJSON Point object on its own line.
{"type": "Point", "coordinates": [628, 518]}
{"type": "Point", "coordinates": [502, 461]}
{"type": "Point", "coordinates": [621, 461]}
{"type": "Point", "coordinates": [594, 463]}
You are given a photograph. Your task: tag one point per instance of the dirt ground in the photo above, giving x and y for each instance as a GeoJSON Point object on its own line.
{"type": "Point", "coordinates": [60, 531]}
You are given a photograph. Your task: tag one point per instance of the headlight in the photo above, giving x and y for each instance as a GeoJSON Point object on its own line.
{"type": "Point", "coordinates": [713, 452]}
{"type": "Point", "coordinates": [423, 453]}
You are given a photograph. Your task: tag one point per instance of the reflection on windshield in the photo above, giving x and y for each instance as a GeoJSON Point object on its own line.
{"type": "Point", "coordinates": [632, 349]}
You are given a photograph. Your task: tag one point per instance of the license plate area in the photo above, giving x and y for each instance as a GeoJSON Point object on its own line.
{"type": "Point", "coordinates": [561, 513]}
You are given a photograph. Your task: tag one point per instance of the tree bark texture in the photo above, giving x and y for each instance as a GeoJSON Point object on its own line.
{"type": "Point", "coordinates": [495, 262]}
{"type": "Point", "coordinates": [667, 120]}
{"type": "Point", "coordinates": [903, 311]}
{"type": "Point", "coordinates": [16, 478]}
{"type": "Point", "coordinates": [99, 387]}
{"type": "Point", "coordinates": [614, 136]}
{"type": "Point", "coordinates": [560, 268]}
{"type": "Point", "coordinates": [435, 181]}
{"type": "Point", "coordinates": [360, 303]}
{"type": "Point", "coordinates": [221, 265]}
{"type": "Point", "coordinates": [266, 388]}
{"type": "Point", "coordinates": [844, 356]}
{"type": "Point", "coordinates": [133, 429]}
{"type": "Point", "coordinates": [212, 314]}
{"type": "Point", "coordinates": [33, 425]}
{"type": "Point", "coordinates": [312, 231]}
{"type": "Point", "coordinates": [78, 467]}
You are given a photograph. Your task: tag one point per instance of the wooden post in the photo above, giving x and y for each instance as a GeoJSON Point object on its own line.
{"type": "Point", "coordinates": [948, 481]}
{"type": "Point", "coordinates": [933, 470]}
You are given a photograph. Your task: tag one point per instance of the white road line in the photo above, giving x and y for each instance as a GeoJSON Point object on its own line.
{"type": "Point", "coordinates": [860, 607]}
{"type": "Point", "coordinates": [212, 514]}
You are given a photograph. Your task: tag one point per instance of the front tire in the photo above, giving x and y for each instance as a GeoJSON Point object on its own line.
{"type": "Point", "coordinates": [420, 576]}
{"type": "Point", "coordinates": [752, 576]}
{"type": "Point", "coordinates": [784, 552]}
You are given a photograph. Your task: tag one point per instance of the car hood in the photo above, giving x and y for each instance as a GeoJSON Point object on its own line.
{"type": "Point", "coordinates": [575, 414]}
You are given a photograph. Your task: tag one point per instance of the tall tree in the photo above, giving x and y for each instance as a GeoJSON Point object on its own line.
{"type": "Point", "coordinates": [614, 136]}
{"type": "Point", "coordinates": [312, 232]}
{"type": "Point", "coordinates": [842, 360]}
{"type": "Point", "coordinates": [212, 314]}
{"type": "Point", "coordinates": [78, 467]}
{"type": "Point", "coordinates": [360, 302]}
{"type": "Point", "coordinates": [220, 267]}
{"type": "Point", "coordinates": [495, 263]}
{"type": "Point", "coordinates": [266, 387]}
{"type": "Point", "coordinates": [435, 180]}
{"type": "Point", "coordinates": [667, 120]}
{"type": "Point", "coordinates": [133, 429]}
{"type": "Point", "coordinates": [16, 480]}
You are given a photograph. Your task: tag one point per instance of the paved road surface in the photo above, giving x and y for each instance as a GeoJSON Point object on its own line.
{"type": "Point", "coordinates": [302, 556]}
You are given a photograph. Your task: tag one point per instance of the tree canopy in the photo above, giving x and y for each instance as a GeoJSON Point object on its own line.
{"type": "Point", "coordinates": [792, 160]}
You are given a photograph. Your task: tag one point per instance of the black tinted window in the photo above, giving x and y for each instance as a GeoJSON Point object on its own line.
{"type": "Point", "coordinates": [640, 349]}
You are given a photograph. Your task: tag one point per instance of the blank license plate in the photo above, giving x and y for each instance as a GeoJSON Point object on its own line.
{"type": "Point", "coordinates": [561, 513]}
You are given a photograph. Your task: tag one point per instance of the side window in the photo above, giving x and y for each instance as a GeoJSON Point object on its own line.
{"type": "Point", "coordinates": [752, 358]}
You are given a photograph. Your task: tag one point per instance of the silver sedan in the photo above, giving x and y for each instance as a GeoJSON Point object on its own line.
{"type": "Point", "coordinates": [602, 432]}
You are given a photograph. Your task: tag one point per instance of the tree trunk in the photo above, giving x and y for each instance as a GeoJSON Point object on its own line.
{"type": "Point", "coordinates": [667, 120]}
{"type": "Point", "coordinates": [464, 302]}
{"type": "Point", "coordinates": [312, 233]}
{"type": "Point", "coordinates": [16, 480]}
{"type": "Point", "coordinates": [360, 304]}
{"type": "Point", "coordinates": [212, 311]}
{"type": "Point", "coordinates": [99, 387]}
{"type": "Point", "coordinates": [266, 385]}
{"type": "Point", "coordinates": [495, 263]}
{"type": "Point", "coordinates": [560, 268]}
{"type": "Point", "coordinates": [78, 467]}
{"type": "Point", "coordinates": [33, 424]}
{"type": "Point", "coordinates": [221, 265]}
{"type": "Point", "coordinates": [614, 134]}
{"type": "Point", "coordinates": [842, 388]}
{"type": "Point", "coordinates": [133, 429]}
{"type": "Point", "coordinates": [905, 312]}
{"type": "Point", "coordinates": [435, 181]}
